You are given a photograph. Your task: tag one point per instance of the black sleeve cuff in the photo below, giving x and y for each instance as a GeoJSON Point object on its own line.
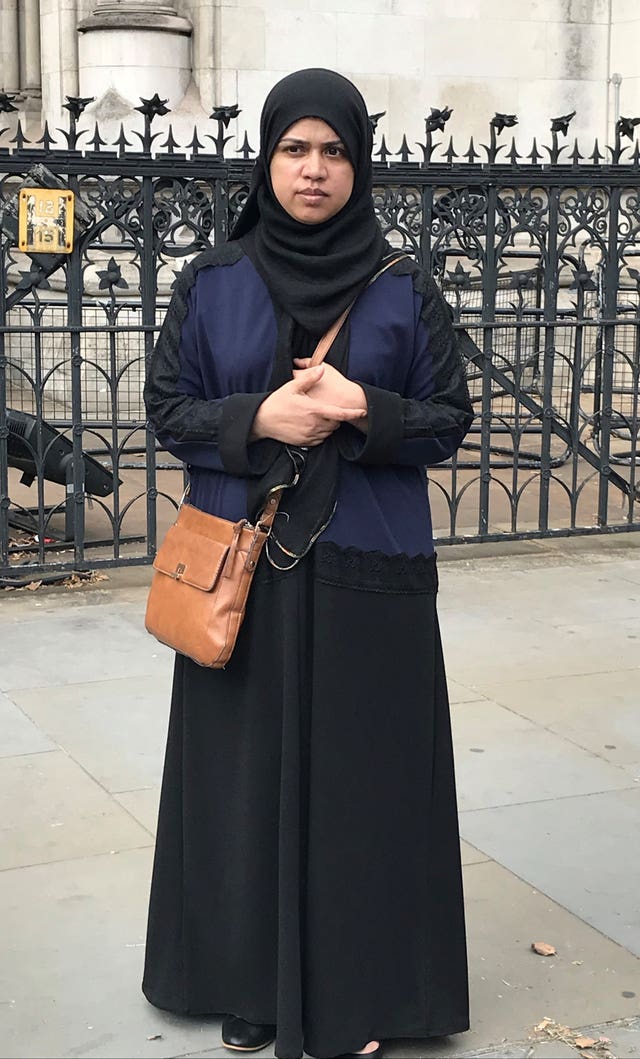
{"type": "Point", "coordinates": [238, 413]}
{"type": "Point", "coordinates": [385, 427]}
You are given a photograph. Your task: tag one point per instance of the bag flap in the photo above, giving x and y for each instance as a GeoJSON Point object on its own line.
{"type": "Point", "coordinates": [190, 557]}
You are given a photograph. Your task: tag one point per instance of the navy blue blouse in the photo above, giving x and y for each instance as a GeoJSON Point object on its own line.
{"type": "Point", "coordinates": [404, 353]}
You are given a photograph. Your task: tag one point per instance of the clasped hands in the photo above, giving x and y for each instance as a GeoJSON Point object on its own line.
{"type": "Point", "coordinates": [307, 410]}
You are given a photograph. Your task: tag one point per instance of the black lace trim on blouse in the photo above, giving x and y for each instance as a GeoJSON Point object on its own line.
{"type": "Point", "coordinates": [375, 571]}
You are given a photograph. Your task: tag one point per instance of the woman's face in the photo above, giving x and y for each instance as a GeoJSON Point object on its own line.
{"type": "Point", "coordinates": [311, 175]}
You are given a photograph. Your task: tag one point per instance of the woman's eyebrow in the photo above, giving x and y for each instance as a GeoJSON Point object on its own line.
{"type": "Point", "coordinates": [306, 143]}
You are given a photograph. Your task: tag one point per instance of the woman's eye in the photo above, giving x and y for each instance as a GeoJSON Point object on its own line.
{"type": "Point", "coordinates": [336, 152]}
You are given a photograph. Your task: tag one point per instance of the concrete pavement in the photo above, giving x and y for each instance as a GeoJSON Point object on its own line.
{"type": "Point", "coordinates": [543, 655]}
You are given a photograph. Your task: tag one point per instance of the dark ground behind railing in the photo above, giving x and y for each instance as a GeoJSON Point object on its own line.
{"type": "Point", "coordinates": [539, 259]}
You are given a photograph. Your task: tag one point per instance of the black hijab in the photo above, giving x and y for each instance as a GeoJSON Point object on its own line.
{"type": "Point", "coordinates": [313, 272]}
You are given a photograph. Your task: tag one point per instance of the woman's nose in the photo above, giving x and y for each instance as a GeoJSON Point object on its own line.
{"type": "Point", "coordinates": [314, 165]}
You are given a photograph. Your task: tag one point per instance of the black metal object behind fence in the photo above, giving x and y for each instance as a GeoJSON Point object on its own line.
{"type": "Point", "coordinates": [539, 258]}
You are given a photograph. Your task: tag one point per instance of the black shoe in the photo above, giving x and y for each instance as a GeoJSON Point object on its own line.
{"type": "Point", "coordinates": [244, 1036]}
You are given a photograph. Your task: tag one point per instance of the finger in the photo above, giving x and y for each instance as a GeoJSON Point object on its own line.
{"type": "Point", "coordinates": [342, 414]}
{"type": "Point", "coordinates": [304, 380]}
{"type": "Point", "coordinates": [303, 362]}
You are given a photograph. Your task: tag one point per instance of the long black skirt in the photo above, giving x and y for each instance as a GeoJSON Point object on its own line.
{"type": "Point", "coordinates": [307, 866]}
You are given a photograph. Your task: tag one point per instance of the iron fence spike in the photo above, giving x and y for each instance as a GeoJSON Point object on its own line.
{"type": "Point", "coordinates": [383, 152]}
{"type": "Point", "coordinates": [405, 150]}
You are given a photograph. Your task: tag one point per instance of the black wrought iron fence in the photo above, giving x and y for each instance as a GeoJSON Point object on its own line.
{"type": "Point", "coordinates": [537, 257]}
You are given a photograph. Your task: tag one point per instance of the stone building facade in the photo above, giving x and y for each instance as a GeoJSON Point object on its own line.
{"type": "Point", "coordinates": [545, 58]}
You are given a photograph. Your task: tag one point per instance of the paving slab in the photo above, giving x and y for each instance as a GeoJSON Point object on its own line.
{"type": "Point", "coordinates": [503, 758]}
{"type": "Point", "coordinates": [545, 1050]}
{"type": "Point", "coordinates": [608, 594]}
{"type": "Point", "coordinates": [598, 711]}
{"type": "Point", "coordinates": [143, 806]}
{"type": "Point", "coordinates": [471, 855]}
{"type": "Point", "coordinates": [511, 987]}
{"type": "Point", "coordinates": [623, 1036]}
{"type": "Point", "coordinates": [480, 651]}
{"type": "Point", "coordinates": [19, 734]}
{"type": "Point", "coordinates": [73, 935]}
{"type": "Point", "coordinates": [458, 693]}
{"type": "Point", "coordinates": [581, 851]}
{"type": "Point", "coordinates": [73, 942]}
{"type": "Point", "coordinates": [115, 728]}
{"type": "Point", "coordinates": [52, 810]}
{"type": "Point", "coordinates": [74, 646]}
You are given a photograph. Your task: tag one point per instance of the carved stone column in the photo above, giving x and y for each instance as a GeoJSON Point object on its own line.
{"type": "Point", "coordinates": [9, 47]}
{"type": "Point", "coordinates": [30, 70]}
{"type": "Point", "coordinates": [135, 48]}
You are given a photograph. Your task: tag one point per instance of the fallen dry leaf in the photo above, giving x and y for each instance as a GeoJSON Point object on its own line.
{"type": "Point", "coordinates": [33, 586]}
{"type": "Point", "coordinates": [155, 1037]}
{"type": "Point", "coordinates": [543, 949]}
{"type": "Point", "coordinates": [555, 1031]}
{"type": "Point", "coordinates": [545, 1022]}
{"type": "Point", "coordinates": [91, 577]}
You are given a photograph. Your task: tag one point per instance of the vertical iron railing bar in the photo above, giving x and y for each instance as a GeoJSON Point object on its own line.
{"type": "Point", "coordinates": [517, 432]}
{"type": "Point", "coordinates": [610, 279]}
{"type": "Point", "coordinates": [220, 219]}
{"type": "Point", "coordinates": [634, 455]}
{"type": "Point", "coordinates": [149, 297]}
{"type": "Point", "coordinates": [427, 220]}
{"type": "Point", "coordinates": [550, 318]}
{"type": "Point", "coordinates": [40, 452]}
{"type": "Point", "coordinates": [489, 286]}
{"type": "Point", "coordinates": [599, 347]}
{"type": "Point", "coordinates": [115, 451]}
{"type": "Point", "coordinates": [453, 495]}
{"type": "Point", "coordinates": [574, 406]}
{"type": "Point", "coordinates": [538, 331]}
{"type": "Point", "coordinates": [4, 432]}
{"type": "Point", "coordinates": [634, 421]}
{"type": "Point", "coordinates": [74, 321]}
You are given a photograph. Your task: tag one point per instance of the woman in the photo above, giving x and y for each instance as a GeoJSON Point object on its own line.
{"type": "Point", "coordinates": [307, 875]}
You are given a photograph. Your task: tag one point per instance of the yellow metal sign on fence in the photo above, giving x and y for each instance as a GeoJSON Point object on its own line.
{"type": "Point", "coordinates": [45, 221]}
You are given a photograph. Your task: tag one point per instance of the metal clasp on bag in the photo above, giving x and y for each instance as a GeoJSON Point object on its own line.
{"type": "Point", "coordinates": [262, 530]}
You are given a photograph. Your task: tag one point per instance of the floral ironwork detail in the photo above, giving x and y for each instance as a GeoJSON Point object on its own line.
{"type": "Point", "coordinates": [459, 277]}
{"type": "Point", "coordinates": [111, 276]}
{"type": "Point", "coordinates": [562, 124]}
{"type": "Point", "coordinates": [437, 119]}
{"type": "Point", "coordinates": [223, 115]}
{"type": "Point", "coordinates": [6, 103]}
{"type": "Point", "coordinates": [154, 107]}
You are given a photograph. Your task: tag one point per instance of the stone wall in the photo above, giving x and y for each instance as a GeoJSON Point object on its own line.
{"type": "Point", "coordinates": [536, 60]}
{"type": "Point", "coordinates": [541, 59]}
{"type": "Point", "coordinates": [625, 53]}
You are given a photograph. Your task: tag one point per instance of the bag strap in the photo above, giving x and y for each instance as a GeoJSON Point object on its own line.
{"type": "Point", "coordinates": [327, 340]}
{"type": "Point", "coordinates": [270, 511]}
